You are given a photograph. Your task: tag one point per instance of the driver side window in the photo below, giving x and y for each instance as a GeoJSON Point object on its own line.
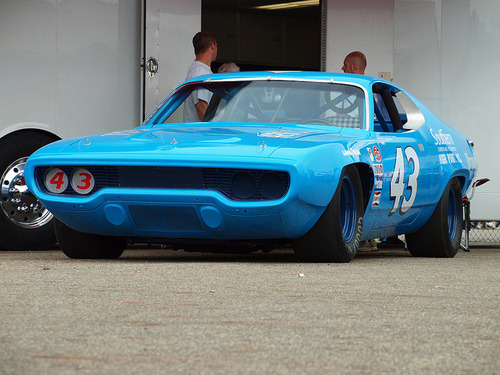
{"type": "Point", "coordinates": [389, 115]}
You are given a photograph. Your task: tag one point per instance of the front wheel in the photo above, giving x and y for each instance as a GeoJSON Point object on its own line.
{"type": "Point", "coordinates": [336, 235]}
{"type": "Point", "coordinates": [78, 245]}
{"type": "Point", "coordinates": [440, 237]}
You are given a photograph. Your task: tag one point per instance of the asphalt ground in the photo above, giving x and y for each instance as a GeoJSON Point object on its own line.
{"type": "Point", "coordinates": [160, 311]}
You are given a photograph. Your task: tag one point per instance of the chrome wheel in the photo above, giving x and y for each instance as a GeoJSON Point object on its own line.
{"type": "Point", "coordinates": [18, 204]}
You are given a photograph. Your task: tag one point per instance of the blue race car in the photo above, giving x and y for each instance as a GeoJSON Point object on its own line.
{"type": "Point", "coordinates": [317, 160]}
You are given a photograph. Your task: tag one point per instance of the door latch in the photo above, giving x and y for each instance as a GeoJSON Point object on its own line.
{"type": "Point", "coordinates": [152, 66]}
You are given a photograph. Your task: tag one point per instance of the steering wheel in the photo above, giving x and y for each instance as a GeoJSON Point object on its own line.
{"type": "Point", "coordinates": [256, 110]}
{"type": "Point", "coordinates": [343, 103]}
{"type": "Point", "coordinates": [316, 120]}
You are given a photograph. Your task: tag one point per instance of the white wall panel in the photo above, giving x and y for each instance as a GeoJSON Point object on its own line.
{"type": "Point", "coordinates": [360, 25]}
{"type": "Point", "coordinates": [470, 76]}
{"type": "Point", "coordinates": [171, 26]}
{"type": "Point", "coordinates": [417, 63]}
{"type": "Point", "coordinates": [28, 63]}
{"type": "Point", "coordinates": [70, 67]}
{"type": "Point", "coordinates": [447, 53]}
{"type": "Point", "coordinates": [98, 86]}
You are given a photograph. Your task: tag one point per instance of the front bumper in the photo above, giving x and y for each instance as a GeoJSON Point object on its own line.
{"type": "Point", "coordinates": [184, 214]}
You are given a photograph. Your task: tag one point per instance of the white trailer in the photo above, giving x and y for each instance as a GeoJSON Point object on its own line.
{"type": "Point", "coordinates": [70, 68]}
{"type": "Point", "coordinates": [67, 68]}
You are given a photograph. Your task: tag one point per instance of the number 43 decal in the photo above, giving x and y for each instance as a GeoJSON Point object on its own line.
{"type": "Point", "coordinates": [398, 187]}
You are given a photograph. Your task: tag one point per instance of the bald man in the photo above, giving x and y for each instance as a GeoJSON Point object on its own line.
{"type": "Point", "coordinates": [355, 63]}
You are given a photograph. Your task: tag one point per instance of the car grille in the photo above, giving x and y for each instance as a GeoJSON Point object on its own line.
{"type": "Point", "coordinates": [235, 184]}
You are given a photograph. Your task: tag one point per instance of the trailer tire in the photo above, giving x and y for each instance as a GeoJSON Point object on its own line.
{"type": "Point", "coordinates": [24, 223]}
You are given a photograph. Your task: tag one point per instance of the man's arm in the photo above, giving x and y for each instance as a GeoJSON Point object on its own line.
{"type": "Point", "coordinates": [201, 108]}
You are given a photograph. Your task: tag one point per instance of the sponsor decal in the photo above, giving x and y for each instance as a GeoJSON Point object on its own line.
{"type": "Point", "coordinates": [446, 148]}
{"type": "Point", "coordinates": [458, 157]}
{"type": "Point", "coordinates": [379, 169]}
{"type": "Point", "coordinates": [370, 154]}
{"type": "Point", "coordinates": [441, 138]}
{"type": "Point", "coordinates": [421, 147]}
{"type": "Point", "coordinates": [351, 152]}
{"type": "Point", "coordinates": [376, 198]}
{"type": "Point", "coordinates": [379, 182]}
{"type": "Point", "coordinates": [451, 158]}
{"type": "Point", "coordinates": [442, 159]}
{"type": "Point", "coordinates": [377, 154]}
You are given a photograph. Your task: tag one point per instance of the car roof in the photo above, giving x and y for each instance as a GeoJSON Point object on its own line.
{"type": "Point", "coordinates": [292, 76]}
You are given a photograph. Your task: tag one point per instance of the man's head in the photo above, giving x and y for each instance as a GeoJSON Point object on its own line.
{"type": "Point", "coordinates": [355, 62]}
{"type": "Point", "coordinates": [205, 44]}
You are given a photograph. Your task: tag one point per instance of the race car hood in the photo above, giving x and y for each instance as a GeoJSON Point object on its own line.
{"type": "Point", "coordinates": [186, 141]}
{"type": "Point", "coordinates": [299, 150]}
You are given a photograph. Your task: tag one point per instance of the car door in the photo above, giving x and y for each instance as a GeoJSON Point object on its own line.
{"type": "Point", "coordinates": [402, 167]}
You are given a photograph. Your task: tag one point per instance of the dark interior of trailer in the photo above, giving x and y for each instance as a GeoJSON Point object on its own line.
{"type": "Point", "coordinates": [265, 34]}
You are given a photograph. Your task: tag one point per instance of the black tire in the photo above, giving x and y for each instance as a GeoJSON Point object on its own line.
{"type": "Point", "coordinates": [440, 237]}
{"type": "Point", "coordinates": [336, 235]}
{"type": "Point", "coordinates": [24, 223]}
{"type": "Point", "coordinates": [79, 245]}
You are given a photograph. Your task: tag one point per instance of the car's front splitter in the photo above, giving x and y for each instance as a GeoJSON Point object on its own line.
{"type": "Point", "coordinates": [188, 214]}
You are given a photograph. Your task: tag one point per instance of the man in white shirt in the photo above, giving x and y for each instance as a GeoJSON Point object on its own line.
{"type": "Point", "coordinates": [205, 49]}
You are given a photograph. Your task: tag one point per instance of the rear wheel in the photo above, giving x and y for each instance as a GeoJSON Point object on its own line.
{"type": "Point", "coordinates": [441, 235]}
{"type": "Point", "coordinates": [78, 245]}
{"type": "Point", "coordinates": [336, 235]}
{"type": "Point", "coordinates": [24, 223]}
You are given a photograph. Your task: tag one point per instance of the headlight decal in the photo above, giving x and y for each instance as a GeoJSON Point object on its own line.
{"type": "Point", "coordinates": [82, 181]}
{"type": "Point", "coordinates": [56, 181]}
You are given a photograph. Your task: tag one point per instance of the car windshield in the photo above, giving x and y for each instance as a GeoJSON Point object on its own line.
{"type": "Point", "coordinates": [330, 104]}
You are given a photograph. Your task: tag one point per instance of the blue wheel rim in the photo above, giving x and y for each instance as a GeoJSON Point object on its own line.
{"type": "Point", "coordinates": [348, 210]}
{"type": "Point", "coordinates": [452, 214]}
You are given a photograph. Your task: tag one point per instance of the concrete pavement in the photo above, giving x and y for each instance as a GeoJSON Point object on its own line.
{"type": "Point", "coordinates": [160, 311]}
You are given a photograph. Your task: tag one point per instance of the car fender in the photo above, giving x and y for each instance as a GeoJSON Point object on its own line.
{"type": "Point", "coordinates": [319, 168]}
